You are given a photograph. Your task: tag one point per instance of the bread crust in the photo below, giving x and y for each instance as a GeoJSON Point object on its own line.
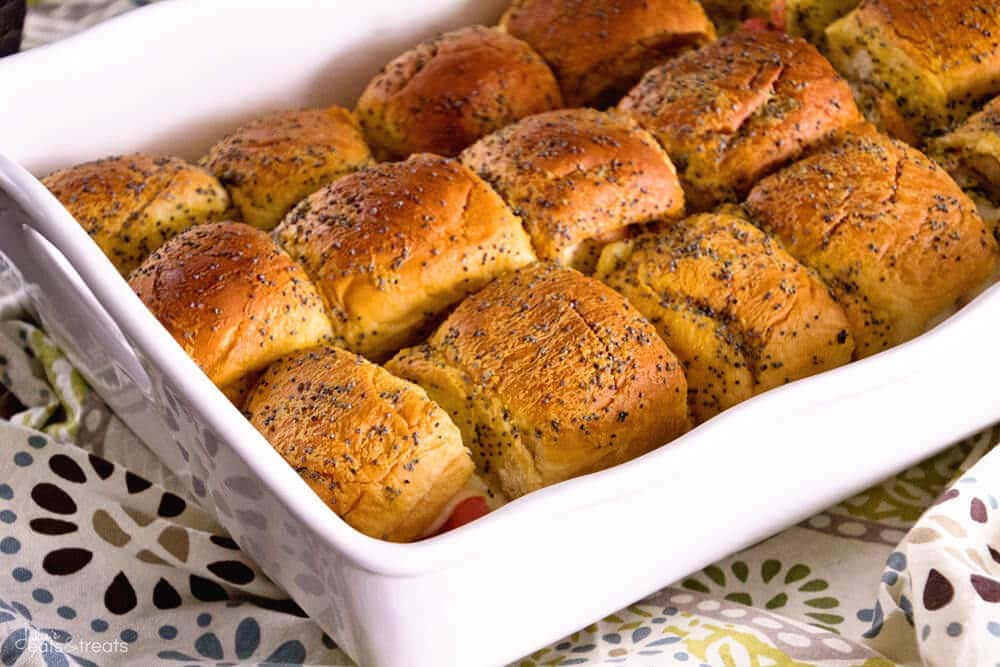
{"type": "Point", "coordinates": [373, 447]}
{"type": "Point", "coordinates": [892, 235]}
{"type": "Point", "coordinates": [738, 109]}
{"type": "Point", "coordinates": [601, 48]}
{"type": "Point", "coordinates": [550, 375]}
{"type": "Point", "coordinates": [920, 66]}
{"type": "Point", "coordinates": [272, 163]}
{"type": "Point", "coordinates": [445, 93]}
{"type": "Point", "coordinates": [392, 246]}
{"type": "Point", "coordinates": [740, 312]}
{"type": "Point", "coordinates": [132, 204]}
{"type": "Point", "coordinates": [578, 178]}
{"type": "Point", "coordinates": [233, 300]}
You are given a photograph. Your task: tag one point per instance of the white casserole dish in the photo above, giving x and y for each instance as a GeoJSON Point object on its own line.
{"type": "Point", "coordinates": [172, 78]}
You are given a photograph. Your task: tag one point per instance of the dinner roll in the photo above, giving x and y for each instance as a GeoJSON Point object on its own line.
{"type": "Point", "coordinates": [918, 66]}
{"type": "Point", "coordinates": [272, 163]}
{"type": "Point", "coordinates": [737, 109]}
{"type": "Point", "coordinates": [380, 453]}
{"type": "Point", "coordinates": [578, 178]}
{"type": "Point", "coordinates": [445, 93]}
{"type": "Point", "coordinates": [890, 233]}
{"type": "Point", "coordinates": [232, 300]}
{"type": "Point", "coordinates": [392, 246]}
{"type": "Point", "coordinates": [131, 204]}
{"type": "Point", "coordinates": [738, 311]}
{"type": "Point", "coordinates": [600, 48]}
{"type": "Point", "coordinates": [549, 375]}
{"type": "Point", "coordinates": [971, 154]}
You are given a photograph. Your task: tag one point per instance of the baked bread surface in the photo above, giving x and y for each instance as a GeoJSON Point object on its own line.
{"type": "Point", "coordinates": [132, 204]}
{"type": "Point", "coordinates": [392, 246]}
{"type": "Point", "coordinates": [550, 375]}
{"type": "Point", "coordinates": [736, 110]}
{"type": "Point", "coordinates": [600, 48]}
{"type": "Point", "coordinates": [233, 300]}
{"type": "Point", "coordinates": [896, 240]}
{"type": "Point", "coordinates": [381, 454]}
{"type": "Point", "coordinates": [272, 163]}
{"type": "Point", "coordinates": [445, 93]}
{"type": "Point", "coordinates": [740, 312]}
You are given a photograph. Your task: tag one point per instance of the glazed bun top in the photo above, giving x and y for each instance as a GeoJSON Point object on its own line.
{"type": "Point", "coordinates": [232, 299]}
{"type": "Point", "coordinates": [445, 93]}
{"type": "Point", "coordinates": [739, 108]}
{"type": "Point", "coordinates": [892, 235]}
{"type": "Point", "coordinates": [130, 205]}
{"type": "Point", "coordinates": [578, 178]}
{"type": "Point", "coordinates": [381, 454]}
{"type": "Point", "coordinates": [392, 246]}
{"type": "Point", "coordinates": [272, 163]}
{"type": "Point", "coordinates": [933, 60]}
{"type": "Point", "coordinates": [740, 312]}
{"type": "Point", "coordinates": [550, 375]}
{"type": "Point", "coordinates": [600, 48]}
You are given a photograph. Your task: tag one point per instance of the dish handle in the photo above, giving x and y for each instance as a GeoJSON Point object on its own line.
{"type": "Point", "coordinates": [32, 236]}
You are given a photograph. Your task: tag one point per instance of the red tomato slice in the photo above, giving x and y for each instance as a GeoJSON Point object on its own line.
{"type": "Point", "coordinates": [465, 512]}
{"type": "Point", "coordinates": [756, 24]}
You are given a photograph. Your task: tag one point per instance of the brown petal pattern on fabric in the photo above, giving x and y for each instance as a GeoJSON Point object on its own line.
{"type": "Point", "coordinates": [986, 588]}
{"type": "Point", "coordinates": [938, 591]}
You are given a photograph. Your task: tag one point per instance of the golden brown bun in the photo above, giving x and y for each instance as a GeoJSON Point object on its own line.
{"type": "Point", "coordinates": [971, 154]}
{"type": "Point", "coordinates": [738, 109]}
{"type": "Point", "coordinates": [578, 178]}
{"type": "Point", "coordinates": [919, 66]}
{"type": "Point", "coordinates": [890, 233]}
{"type": "Point", "coordinates": [392, 246]}
{"type": "Point", "coordinates": [740, 313]}
{"type": "Point", "coordinates": [381, 454]}
{"type": "Point", "coordinates": [232, 300]}
{"type": "Point", "coordinates": [600, 48]}
{"type": "Point", "coordinates": [550, 375]}
{"type": "Point", "coordinates": [445, 93]}
{"type": "Point", "coordinates": [130, 205]}
{"type": "Point", "coordinates": [272, 163]}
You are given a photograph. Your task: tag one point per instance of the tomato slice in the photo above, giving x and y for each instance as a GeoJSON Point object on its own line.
{"type": "Point", "coordinates": [465, 512]}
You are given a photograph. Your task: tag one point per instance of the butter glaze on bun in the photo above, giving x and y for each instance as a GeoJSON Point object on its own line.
{"type": "Point", "coordinates": [445, 93]}
{"type": "Point", "coordinates": [918, 66]}
{"type": "Point", "coordinates": [600, 48]}
{"type": "Point", "coordinates": [578, 178]}
{"type": "Point", "coordinates": [550, 375]}
{"type": "Point", "coordinates": [739, 312]}
{"type": "Point", "coordinates": [233, 300]}
{"type": "Point", "coordinates": [381, 454]}
{"type": "Point", "coordinates": [736, 110]}
{"type": "Point", "coordinates": [132, 204]}
{"type": "Point", "coordinates": [392, 246]}
{"type": "Point", "coordinates": [272, 163]}
{"type": "Point", "coordinates": [896, 240]}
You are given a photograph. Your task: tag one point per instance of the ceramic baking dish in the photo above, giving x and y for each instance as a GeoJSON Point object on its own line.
{"type": "Point", "coordinates": [172, 78]}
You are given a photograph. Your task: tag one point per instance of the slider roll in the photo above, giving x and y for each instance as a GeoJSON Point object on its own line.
{"type": "Point", "coordinates": [896, 240]}
{"type": "Point", "coordinates": [132, 204]}
{"type": "Point", "coordinates": [739, 312]}
{"type": "Point", "coordinates": [445, 93]}
{"type": "Point", "coordinates": [738, 109]}
{"type": "Point", "coordinates": [272, 163]}
{"type": "Point", "coordinates": [550, 375]}
{"type": "Point", "coordinates": [578, 178]}
{"type": "Point", "coordinates": [391, 247]}
{"type": "Point", "coordinates": [233, 300]}
{"type": "Point", "coordinates": [381, 454]}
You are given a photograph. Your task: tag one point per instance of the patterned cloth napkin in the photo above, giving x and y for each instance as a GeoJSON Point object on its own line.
{"type": "Point", "coordinates": [105, 560]}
